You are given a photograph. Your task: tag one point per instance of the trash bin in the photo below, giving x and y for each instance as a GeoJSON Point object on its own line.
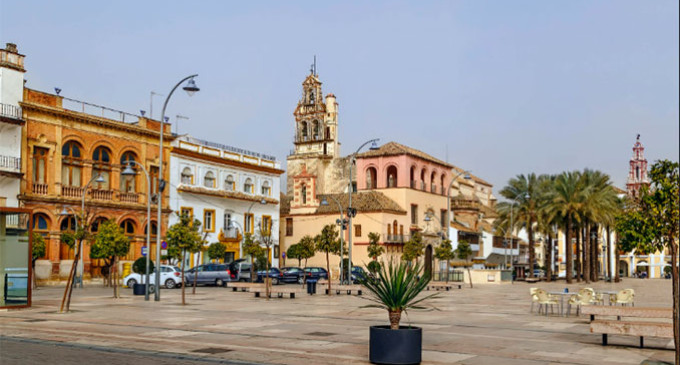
{"type": "Point", "coordinates": [138, 289]}
{"type": "Point", "coordinates": [311, 286]}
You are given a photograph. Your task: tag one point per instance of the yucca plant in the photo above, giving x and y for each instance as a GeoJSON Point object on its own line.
{"type": "Point", "coordinates": [396, 288]}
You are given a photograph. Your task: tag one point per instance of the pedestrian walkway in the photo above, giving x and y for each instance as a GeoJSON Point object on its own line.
{"type": "Point", "coordinates": [489, 324]}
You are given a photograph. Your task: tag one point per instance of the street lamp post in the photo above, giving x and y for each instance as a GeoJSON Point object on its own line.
{"type": "Point", "coordinates": [130, 172]}
{"type": "Point", "coordinates": [350, 212]}
{"type": "Point", "coordinates": [190, 88]}
{"type": "Point", "coordinates": [341, 222]}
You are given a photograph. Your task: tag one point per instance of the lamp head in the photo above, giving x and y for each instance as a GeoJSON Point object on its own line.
{"type": "Point", "coordinates": [263, 202]}
{"type": "Point", "coordinates": [467, 175]}
{"type": "Point", "coordinates": [191, 87]}
{"type": "Point", "coordinates": [57, 90]}
{"type": "Point", "coordinates": [128, 171]}
{"type": "Point", "coordinates": [374, 146]}
{"type": "Point", "coordinates": [64, 211]}
{"type": "Point", "coordinates": [100, 179]}
{"type": "Point", "coordinates": [142, 112]}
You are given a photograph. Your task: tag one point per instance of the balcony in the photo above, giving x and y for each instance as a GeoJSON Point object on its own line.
{"type": "Point", "coordinates": [230, 232]}
{"type": "Point", "coordinates": [396, 238]}
{"type": "Point", "coordinates": [129, 197]}
{"type": "Point", "coordinates": [11, 114]}
{"type": "Point", "coordinates": [39, 189]}
{"type": "Point", "coordinates": [10, 165]}
{"type": "Point", "coordinates": [72, 191]}
{"type": "Point", "coordinates": [101, 194]}
{"type": "Point", "coordinates": [413, 184]}
{"type": "Point", "coordinates": [433, 188]}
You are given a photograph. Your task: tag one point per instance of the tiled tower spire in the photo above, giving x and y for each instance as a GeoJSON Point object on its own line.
{"type": "Point", "coordinates": [637, 174]}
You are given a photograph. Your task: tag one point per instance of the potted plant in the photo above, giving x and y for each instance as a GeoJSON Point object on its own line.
{"type": "Point", "coordinates": [395, 288]}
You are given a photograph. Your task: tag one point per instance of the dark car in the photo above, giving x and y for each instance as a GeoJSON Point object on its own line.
{"type": "Point", "coordinates": [239, 270]}
{"type": "Point", "coordinates": [208, 274]}
{"type": "Point", "coordinates": [358, 273]}
{"type": "Point", "coordinates": [316, 273]}
{"type": "Point", "coordinates": [292, 275]}
{"type": "Point", "coordinates": [274, 273]}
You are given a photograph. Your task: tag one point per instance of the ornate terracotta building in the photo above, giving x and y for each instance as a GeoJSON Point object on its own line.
{"type": "Point", "coordinates": [66, 144]}
{"type": "Point", "coordinates": [637, 171]}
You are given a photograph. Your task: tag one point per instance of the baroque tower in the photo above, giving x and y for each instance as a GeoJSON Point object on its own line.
{"type": "Point", "coordinates": [637, 173]}
{"type": "Point", "coordinates": [317, 150]}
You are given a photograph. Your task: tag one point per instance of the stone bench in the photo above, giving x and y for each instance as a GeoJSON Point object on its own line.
{"type": "Point", "coordinates": [280, 292]}
{"type": "Point", "coordinates": [630, 327]}
{"type": "Point", "coordinates": [442, 286]}
{"type": "Point", "coordinates": [346, 289]}
{"type": "Point", "coordinates": [238, 286]}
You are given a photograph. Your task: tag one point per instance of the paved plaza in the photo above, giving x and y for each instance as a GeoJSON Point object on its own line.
{"type": "Point", "coordinates": [489, 324]}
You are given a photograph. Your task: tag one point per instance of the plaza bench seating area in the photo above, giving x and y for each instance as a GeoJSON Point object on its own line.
{"type": "Point", "coordinates": [440, 285]}
{"type": "Point", "coordinates": [280, 292]}
{"type": "Point", "coordinates": [244, 287]}
{"type": "Point", "coordinates": [642, 322]}
{"type": "Point", "coordinates": [348, 289]}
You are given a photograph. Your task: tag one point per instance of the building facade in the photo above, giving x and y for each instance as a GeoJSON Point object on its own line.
{"type": "Point", "coordinates": [230, 190]}
{"type": "Point", "coordinates": [11, 124]}
{"type": "Point", "coordinates": [67, 144]}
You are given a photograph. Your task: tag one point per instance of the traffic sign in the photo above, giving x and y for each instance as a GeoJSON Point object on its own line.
{"type": "Point", "coordinates": [164, 252]}
{"type": "Point", "coordinates": [144, 251]}
{"type": "Point", "coordinates": [283, 254]}
{"type": "Point", "coordinates": [164, 245]}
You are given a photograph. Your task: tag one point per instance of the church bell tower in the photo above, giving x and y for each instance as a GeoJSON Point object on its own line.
{"type": "Point", "coordinates": [637, 173]}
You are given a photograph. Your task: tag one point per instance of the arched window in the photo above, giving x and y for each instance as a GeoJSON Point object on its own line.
{"type": "Point", "coordinates": [442, 184]}
{"type": "Point", "coordinates": [101, 159]}
{"type": "Point", "coordinates": [315, 129]}
{"type": "Point", "coordinates": [303, 194]}
{"type": "Point", "coordinates": [96, 224]}
{"type": "Point", "coordinates": [40, 165]}
{"type": "Point", "coordinates": [40, 222]}
{"type": "Point", "coordinates": [311, 97]}
{"type": "Point", "coordinates": [248, 186]}
{"type": "Point", "coordinates": [433, 180]}
{"type": "Point", "coordinates": [68, 224]}
{"type": "Point", "coordinates": [128, 226]}
{"type": "Point", "coordinates": [127, 182]}
{"type": "Point", "coordinates": [154, 229]}
{"type": "Point", "coordinates": [394, 227]}
{"type": "Point", "coordinates": [371, 178]}
{"type": "Point", "coordinates": [637, 173]}
{"type": "Point", "coordinates": [303, 130]}
{"type": "Point", "coordinates": [392, 177]}
{"type": "Point", "coordinates": [229, 183]}
{"type": "Point", "coordinates": [71, 164]}
{"type": "Point", "coordinates": [266, 189]}
{"type": "Point", "coordinates": [422, 179]}
{"type": "Point", "coordinates": [187, 177]}
{"type": "Point", "coordinates": [209, 180]}
{"type": "Point", "coordinates": [413, 177]}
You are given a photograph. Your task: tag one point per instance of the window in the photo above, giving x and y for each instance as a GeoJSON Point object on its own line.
{"type": "Point", "coordinates": [40, 222]}
{"type": "Point", "coordinates": [153, 175]}
{"type": "Point", "coordinates": [71, 167]}
{"type": "Point", "coordinates": [187, 177]}
{"type": "Point", "coordinates": [248, 186]}
{"type": "Point", "coordinates": [315, 129]}
{"type": "Point", "coordinates": [371, 178]}
{"type": "Point", "coordinates": [96, 224]}
{"type": "Point", "coordinates": [227, 221]}
{"type": "Point", "coordinates": [303, 130]}
{"type": "Point", "coordinates": [209, 180]}
{"type": "Point", "coordinates": [357, 230]}
{"type": "Point", "coordinates": [39, 165]}
{"type": "Point", "coordinates": [392, 177]}
{"type": "Point", "coordinates": [266, 225]}
{"type": "Point", "coordinates": [303, 194]}
{"type": "Point", "coordinates": [68, 224]}
{"type": "Point", "coordinates": [186, 211]}
{"type": "Point", "coordinates": [442, 218]}
{"type": "Point", "coordinates": [248, 223]}
{"type": "Point", "coordinates": [289, 227]}
{"type": "Point", "coordinates": [154, 229]}
{"type": "Point", "coordinates": [101, 159]}
{"type": "Point", "coordinates": [266, 190]}
{"type": "Point", "coordinates": [209, 220]}
{"type": "Point", "coordinates": [127, 182]}
{"type": "Point", "coordinates": [422, 179]}
{"type": "Point", "coordinates": [414, 214]}
{"type": "Point", "coordinates": [128, 226]}
{"type": "Point", "coordinates": [229, 184]}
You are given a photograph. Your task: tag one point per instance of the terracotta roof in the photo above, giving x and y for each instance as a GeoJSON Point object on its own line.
{"type": "Point", "coordinates": [488, 211]}
{"type": "Point", "coordinates": [395, 149]}
{"type": "Point", "coordinates": [463, 228]}
{"type": "Point", "coordinates": [363, 201]}
{"type": "Point", "coordinates": [226, 194]}
{"type": "Point", "coordinates": [472, 176]}
{"type": "Point", "coordinates": [618, 190]}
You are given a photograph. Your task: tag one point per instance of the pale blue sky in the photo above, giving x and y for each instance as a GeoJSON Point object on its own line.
{"type": "Point", "coordinates": [507, 87]}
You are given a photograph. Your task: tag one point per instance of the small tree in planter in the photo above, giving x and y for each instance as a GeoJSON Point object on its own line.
{"type": "Point", "coordinates": [464, 252]}
{"type": "Point", "coordinates": [327, 241]}
{"type": "Point", "coordinates": [445, 252]}
{"type": "Point", "coordinates": [110, 243]}
{"type": "Point", "coordinates": [395, 289]}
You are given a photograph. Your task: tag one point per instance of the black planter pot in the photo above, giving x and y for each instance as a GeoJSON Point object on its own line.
{"type": "Point", "coordinates": [138, 289]}
{"type": "Point", "coordinates": [402, 346]}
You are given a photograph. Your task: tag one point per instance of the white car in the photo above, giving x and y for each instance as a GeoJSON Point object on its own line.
{"type": "Point", "coordinates": [171, 277]}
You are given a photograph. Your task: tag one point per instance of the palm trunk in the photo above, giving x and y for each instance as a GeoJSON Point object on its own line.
{"type": "Point", "coordinates": [395, 318]}
{"type": "Point", "coordinates": [548, 258]}
{"type": "Point", "coordinates": [675, 276]}
{"type": "Point", "coordinates": [594, 249]}
{"type": "Point", "coordinates": [617, 258]}
{"type": "Point", "coordinates": [577, 264]}
{"type": "Point", "coordinates": [532, 249]}
{"type": "Point", "coordinates": [587, 254]}
{"type": "Point", "coordinates": [607, 255]}
{"type": "Point", "coordinates": [570, 251]}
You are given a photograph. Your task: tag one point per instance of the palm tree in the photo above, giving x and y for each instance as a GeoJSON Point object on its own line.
{"type": "Point", "coordinates": [565, 203]}
{"type": "Point", "coordinates": [524, 190]}
{"type": "Point", "coordinates": [546, 221]}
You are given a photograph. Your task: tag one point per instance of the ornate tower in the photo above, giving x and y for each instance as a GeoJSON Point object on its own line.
{"type": "Point", "coordinates": [316, 138]}
{"type": "Point", "coordinates": [637, 173]}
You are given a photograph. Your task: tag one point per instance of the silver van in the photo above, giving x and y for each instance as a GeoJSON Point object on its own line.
{"type": "Point", "coordinates": [208, 274]}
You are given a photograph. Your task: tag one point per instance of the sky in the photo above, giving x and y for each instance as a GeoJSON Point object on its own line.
{"type": "Point", "coordinates": [497, 87]}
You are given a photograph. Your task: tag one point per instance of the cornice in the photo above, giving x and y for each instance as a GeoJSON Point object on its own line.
{"type": "Point", "coordinates": [225, 161]}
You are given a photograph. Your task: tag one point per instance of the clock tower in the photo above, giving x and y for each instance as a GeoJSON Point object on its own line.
{"type": "Point", "coordinates": [637, 173]}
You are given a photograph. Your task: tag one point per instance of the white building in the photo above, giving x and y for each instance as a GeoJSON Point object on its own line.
{"type": "Point", "coordinates": [11, 124]}
{"type": "Point", "coordinates": [226, 188]}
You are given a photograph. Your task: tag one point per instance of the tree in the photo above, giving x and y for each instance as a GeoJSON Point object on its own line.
{"type": "Point", "coordinates": [139, 266]}
{"type": "Point", "coordinates": [651, 224]}
{"type": "Point", "coordinates": [374, 251]}
{"type": "Point", "coordinates": [38, 249]}
{"type": "Point", "coordinates": [307, 248]}
{"type": "Point", "coordinates": [217, 250]}
{"type": "Point", "coordinates": [444, 252]}
{"type": "Point", "coordinates": [70, 239]}
{"type": "Point", "coordinates": [413, 248]}
{"type": "Point", "coordinates": [252, 248]}
{"type": "Point", "coordinates": [327, 241]}
{"type": "Point", "coordinates": [109, 244]}
{"type": "Point", "coordinates": [464, 252]}
{"type": "Point", "coordinates": [294, 253]}
{"type": "Point", "coordinates": [184, 236]}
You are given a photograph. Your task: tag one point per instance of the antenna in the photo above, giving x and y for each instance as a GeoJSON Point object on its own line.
{"type": "Point", "coordinates": [315, 74]}
{"type": "Point", "coordinates": [177, 118]}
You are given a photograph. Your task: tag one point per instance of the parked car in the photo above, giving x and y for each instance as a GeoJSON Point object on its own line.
{"type": "Point", "coordinates": [208, 274]}
{"type": "Point", "coordinates": [292, 275]}
{"type": "Point", "coordinates": [538, 273]}
{"type": "Point", "coordinates": [171, 277]}
{"type": "Point", "coordinates": [357, 273]}
{"type": "Point", "coordinates": [274, 273]}
{"type": "Point", "coordinates": [315, 273]}
{"type": "Point", "coordinates": [239, 270]}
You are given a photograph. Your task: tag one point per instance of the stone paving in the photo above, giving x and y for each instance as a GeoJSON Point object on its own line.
{"type": "Point", "coordinates": [489, 324]}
